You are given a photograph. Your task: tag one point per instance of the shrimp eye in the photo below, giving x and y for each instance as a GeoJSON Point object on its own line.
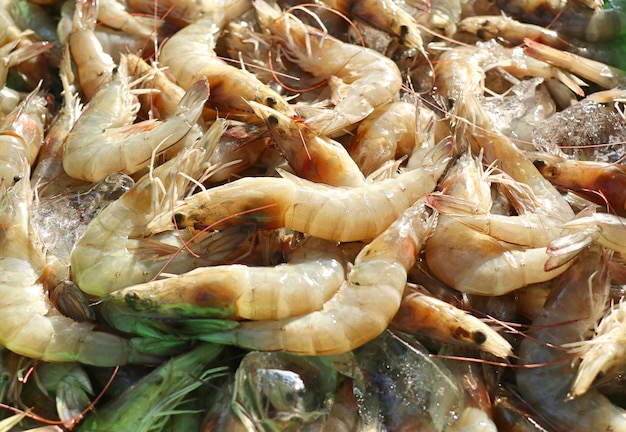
{"type": "Point", "coordinates": [132, 300]}
{"type": "Point", "coordinates": [271, 102]}
{"type": "Point", "coordinates": [404, 30]}
{"type": "Point", "coordinates": [273, 120]}
{"type": "Point", "coordinates": [179, 218]}
{"type": "Point", "coordinates": [545, 169]}
{"type": "Point", "coordinates": [479, 337]}
{"type": "Point", "coordinates": [17, 178]}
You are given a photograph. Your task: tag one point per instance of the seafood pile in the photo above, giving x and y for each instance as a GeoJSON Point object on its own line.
{"type": "Point", "coordinates": [342, 215]}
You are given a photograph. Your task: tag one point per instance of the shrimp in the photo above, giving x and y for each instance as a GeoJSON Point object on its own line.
{"type": "Point", "coordinates": [422, 313]}
{"type": "Point", "coordinates": [104, 140]}
{"type": "Point", "coordinates": [368, 79]}
{"type": "Point", "coordinates": [602, 74]}
{"type": "Point", "coordinates": [155, 396]}
{"type": "Point", "coordinates": [189, 55]}
{"type": "Point", "coordinates": [576, 302]}
{"type": "Point", "coordinates": [187, 12]}
{"type": "Point", "coordinates": [113, 14]}
{"type": "Point", "coordinates": [490, 267]}
{"type": "Point", "coordinates": [32, 326]}
{"type": "Point", "coordinates": [600, 182]}
{"type": "Point", "coordinates": [94, 67]}
{"type": "Point", "coordinates": [589, 24]}
{"type": "Point", "coordinates": [113, 253]}
{"type": "Point", "coordinates": [604, 229]}
{"type": "Point", "coordinates": [315, 209]}
{"type": "Point", "coordinates": [391, 131]}
{"type": "Point", "coordinates": [459, 78]}
{"type": "Point", "coordinates": [387, 16]}
{"type": "Point", "coordinates": [12, 55]}
{"type": "Point", "coordinates": [604, 352]}
{"type": "Point", "coordinates": [21, 136]}
{"type": "Point", "coordinates": [313, 157]}
{"type": "Point", "coordinates": [360, 310]}
{"type": "Point", "coordinates": [313, 274]}
{"type": "Point", "coordinates": [49, 164]}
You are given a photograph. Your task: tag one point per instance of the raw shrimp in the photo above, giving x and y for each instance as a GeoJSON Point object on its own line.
{"type": "Point", "coordinates": [489, 267]}
{"type": "Point", "coordinates": [595, 71]}
{"type": "Point", "coordinates": [588, 24]}
{"type": "Point", "coordinates": [313, 274]}
{"type": "Point", "coordinates": [113, 14]}
{"type": "Point", "coordinates": [600, 182]}
{"type": "Point", "coordinates": [11, 55]}
{"type": "Point", "coordinates": [604, 229]}
{"type": "Point", "coordinates": [390, 132]}
{"type": "Point", "coordinates": [49, 164]}
{"type": "Point", "coordinates": [361, 309]}
{"type": "Point", "coordinates": [368, 79]}
{"type": "Point", "coordinates": [603, 353]}
{"type": "Point", "coordinates": [184, 12]}
{"type": "Point", "coordinates": [332, 213]}
{"type": "Point", "coordinates": [576, 302]}
{"type": "Point", "coordinates": [155, 397]}
{"type": "Point", "coordinates": [113, 252]}
{"type": "Point", "coordinates": [459, 77]}
{"type": "Point", "coordinates": [32, 326]}
{"type": "Point", "coordinates": [386, 15]}
{"type": "Point", "coordinates": [189, 55]}
{"type": "Point", "coordinates": [104, 140]}
{"type": "Point", "coordinates": [442, 321]}
{"type": "Point", "coordinates": [313, 157]}
{"type": "Point", "coordinates": [93, 66]}
{"type": "Point", "coordinates": [21, 136]}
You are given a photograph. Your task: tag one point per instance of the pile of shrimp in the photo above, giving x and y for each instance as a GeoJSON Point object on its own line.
{"type": "Point", "coordinates": [341, 215]}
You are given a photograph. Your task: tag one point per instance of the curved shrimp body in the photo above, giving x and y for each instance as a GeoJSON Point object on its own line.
{"type": "Point", "coordinates": [390, 131]}
{"type": "Point", "coordinates": [360, 310]}
{"type": "Point", "coordinates": [370, 78]}
{"type": "Point", "coordinates": [600, 182]}
{"type": "Point", "coordinates": [310, 278]}
{"type": "Point", "coordinates": [387, 16]}
{"type": "Point", "coordinates": [528, 229]}
{"type": "Point", "coordinates": [90, 154]}
{"type": "Point", "coordinates": [490, 267]}
{"type": "Point", "coordinates": [32, 326]}
{"type": "Point", "coordinates": [21, 136]}
{"type": "Point", "coordinates": [94, 66]}
{"type": "Point", "coordinates": [313, 157]}
{"type": "Point", "coordinates": [113, 253]}
{"type": "Point", "coordinates": [113, 14]}
{"type": "Point", "coordinates": [577, 300]}
{"type": "Point", "coordinates": [422, 313]}
{"type": "Point", "coordinates": [604, 352]}
{"type": "Point", "coordinates": [190, 56]}
{"type": "Point", "coordinates": [332, 213]}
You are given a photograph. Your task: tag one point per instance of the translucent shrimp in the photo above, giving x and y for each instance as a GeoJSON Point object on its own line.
{"type": "Point", "coordinates": [32, 326]}
{"type": "Point", "coordinates": [115, 238]}
{"type": "Point", "coordinates": [460, 75]}
{"type": "Point", "coordinates": [386, 15]}
{"type": "Point", "coordinates": [603, 353]}
{"type": "Point", "coordinates": [442, 321]}
{"type": "Point", "coordinates": [595, 71]}
{"type": "Point", "coordinates": [94, 67]}
{"type": "Point", "coordinates": [577, 300]}
{"type": "Point", "coordinates": [113, 14]}
{"type": "Point", "coordinates": [604, 229]}
{"type": "Point", "coordinates": [332, 213]}
{"type": "Point", "coordinates": [311, 156]}
{"type": "Point", "coordinates": [21, 136]}
{"type": "Point", "coordinates": [369, 79]}
{"type": "Point", "coordinates": [390, 132]}
{"type": "Point", "coordinates": [311, 277]}
{"type": "Point", "coordinates": [600, 182]}
{"type": "Point", "coordinates": [490, 267]}
{"type": "Point", "coordinates": [361, 309]}
{"type": "Point", "coordinates": [104, 139]}
{"type": "Point", "coordinates": [189, 55]}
